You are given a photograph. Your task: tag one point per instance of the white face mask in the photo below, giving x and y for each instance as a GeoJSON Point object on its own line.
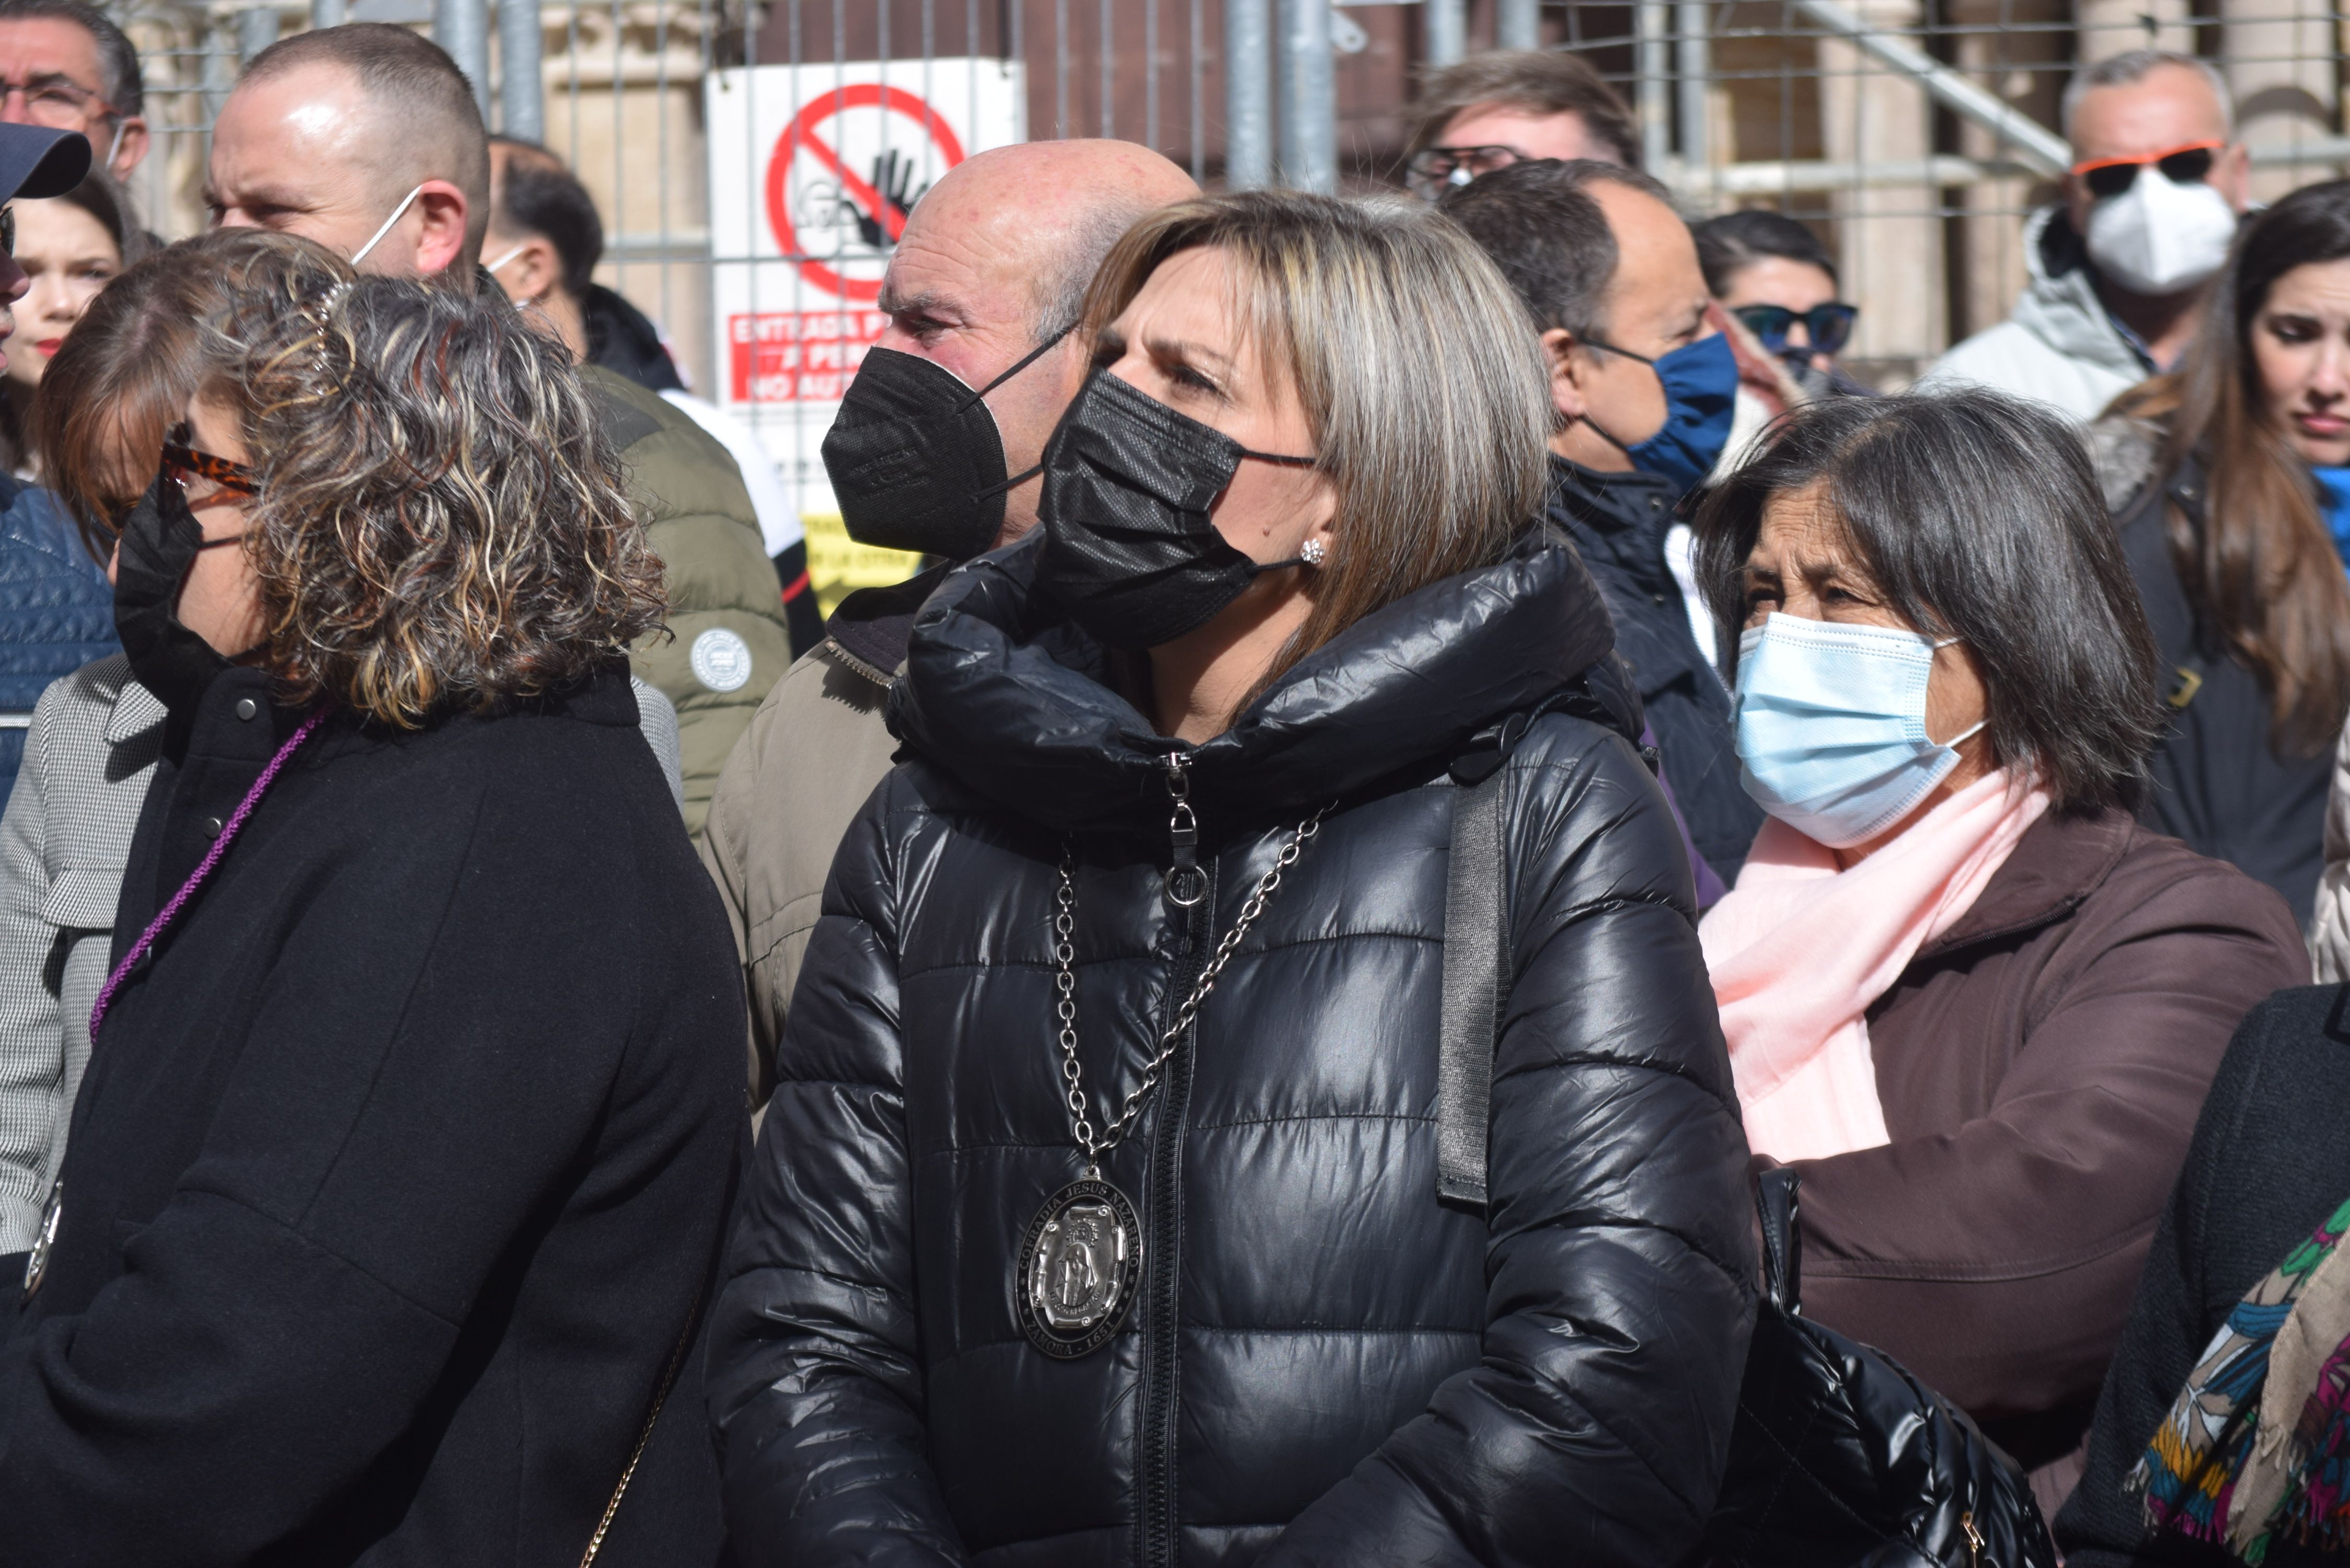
{"type": "Point", "coordinates": [2158, 236]}
{"type": "Point", "coordinates": [510, 255]}
{"type": "Point", "coordinates": [405, 203]}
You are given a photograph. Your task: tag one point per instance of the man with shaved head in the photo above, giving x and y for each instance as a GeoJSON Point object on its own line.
{"type": "Point", "coordinates": [983, 293]}
{"type": "Point", "coordinates": [365, 139]}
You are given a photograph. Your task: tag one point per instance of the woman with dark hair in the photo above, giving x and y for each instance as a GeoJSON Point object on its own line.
{"type": "Point", "coordinates": [398, 1168]}
{"type": "Point", "coordinates": [2228, 482]}
{"type": "Point", "coordinates": [1775, 276]}
{"type": "Point", "coordinates": [1113, 1203]}
{"type": "Point", "coordinates": [69, 247]}
{"type": "Point", "coordinates": [1967, 995]}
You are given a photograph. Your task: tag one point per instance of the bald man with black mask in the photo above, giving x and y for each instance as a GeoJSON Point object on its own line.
{"type": "Point", "coordinates": [982, 295]}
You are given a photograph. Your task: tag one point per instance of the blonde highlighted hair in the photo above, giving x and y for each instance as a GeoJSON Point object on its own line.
{"type": "Point", "coordinates": [1430, 418]}
{"type": "Point", "coordinates": [440, 522]}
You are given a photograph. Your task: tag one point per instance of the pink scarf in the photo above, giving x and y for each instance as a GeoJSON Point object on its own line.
{"type": "Point", "coordinates": [1800, 950]}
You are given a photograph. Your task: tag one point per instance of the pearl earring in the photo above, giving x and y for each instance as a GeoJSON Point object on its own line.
{"type": "Point", "coordinates": [1312, 552]}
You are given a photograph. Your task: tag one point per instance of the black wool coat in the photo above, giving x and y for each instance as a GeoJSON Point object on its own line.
{"type": "Point", "coordinates": [1619, 521]}
{"type": "Point", "coordinates": [1324, 1365]}
{"type": "Point", "coordinates": [397, 1171]}
{"type": "Point", "coordinates": [2271, 1160]}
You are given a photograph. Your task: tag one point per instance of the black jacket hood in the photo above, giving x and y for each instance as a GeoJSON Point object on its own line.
{"type": "Point", "coordinates": [1005, 696]}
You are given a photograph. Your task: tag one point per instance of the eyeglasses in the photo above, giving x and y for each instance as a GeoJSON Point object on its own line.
{"type": "Point", "coordinates": [1432, 169]}
{"type": "Point", "coordinates": [1830, 326]}
{"type": "Point", "coordinates": [188, 466]}
{"type": "Point", "coordinates": [2180, 165]}
{"type": "Point", "coordinates": [60, 104]}
{"type": "Point", "coordinates": [7, 231]}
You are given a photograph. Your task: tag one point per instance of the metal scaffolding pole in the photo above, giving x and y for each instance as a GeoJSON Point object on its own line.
{"type": "Point", "coordinates": [329, 13]}
{"type": "Point", "coordinates": [1248, 96]}
{"type": "Point", "coordinates": [2032, 142]}
{"type": "Point", "coordinates": [256, 29]}
{"type": "Point", "coordinates": [1696, 84]}
{"type": "Point", "coordinates": [1518, 24]}
{"type": "Point", "coordinates": [1447, 24]}
{"type": "Point", "coordinates": [1309, 98]}
{"type": "Point", "coordinates": [521, 86]}
{"type": "Point", "coordinates": [463, 27]}
{"type": "Point", "coordinates": [1654, 62]}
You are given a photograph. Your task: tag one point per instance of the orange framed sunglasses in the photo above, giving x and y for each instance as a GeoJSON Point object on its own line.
{"type": "Point", "coordinates": [2182, 165]}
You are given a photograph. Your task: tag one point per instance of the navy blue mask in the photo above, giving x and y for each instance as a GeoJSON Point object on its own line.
{"type": "Point", "coordinates": [1701, 382]}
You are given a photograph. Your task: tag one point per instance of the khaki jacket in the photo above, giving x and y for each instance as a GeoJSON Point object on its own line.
{"type": "Point", "coordinates": [815, 749]}
{"type": "Point", "coordinates": [727, 644]}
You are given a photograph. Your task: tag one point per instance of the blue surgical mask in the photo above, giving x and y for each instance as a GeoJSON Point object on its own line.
{"type": "Point", "coordinates": [1701, 382]}
{"type": "Point", "coordinates": [1831, 726]}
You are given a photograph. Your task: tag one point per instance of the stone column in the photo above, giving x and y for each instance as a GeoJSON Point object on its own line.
{"type": "Point", "coordinates": [2280, 64]}
{"type": "Point", "coordinates": [2103, 29]}
{"type": "Point", "coordinates": [1890, 241]}
{"type": "Point", "coordinates": [2024, 65]}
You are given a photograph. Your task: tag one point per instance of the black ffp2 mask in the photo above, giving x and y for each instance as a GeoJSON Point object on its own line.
{"type": "Point", "coordinates": [915, 458]}
{"type": "Point", "coordinates": [160, 542]}
{"type": "Point", "coordinates": [1130, 551]}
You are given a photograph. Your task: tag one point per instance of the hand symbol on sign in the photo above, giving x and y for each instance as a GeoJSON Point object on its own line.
{"type": "Point", "coordinates": [891, 176]}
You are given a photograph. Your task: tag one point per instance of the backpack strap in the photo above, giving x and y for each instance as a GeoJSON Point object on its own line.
{"type": "Point", "coordinates": [1476, 978]}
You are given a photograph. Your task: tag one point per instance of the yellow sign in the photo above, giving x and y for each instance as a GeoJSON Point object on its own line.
{"type": "Point", "coordinates": [838, 566]}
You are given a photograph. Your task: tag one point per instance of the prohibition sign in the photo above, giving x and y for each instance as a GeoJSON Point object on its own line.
{"type": "Point", "coordinates": [800, 136]}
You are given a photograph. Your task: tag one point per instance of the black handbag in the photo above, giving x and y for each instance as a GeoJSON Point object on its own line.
{"type": "Point", "coordinates": [1838, 1457]}
{"type": "Point", "coordinates": [1841, 1459]}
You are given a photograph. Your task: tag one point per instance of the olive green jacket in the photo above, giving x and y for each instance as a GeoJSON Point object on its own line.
{"type": "Point", "coordinates": [726, 645]}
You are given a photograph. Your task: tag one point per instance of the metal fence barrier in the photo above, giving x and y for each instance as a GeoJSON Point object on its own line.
{"type": "Point", "coordinates": [753, 163]}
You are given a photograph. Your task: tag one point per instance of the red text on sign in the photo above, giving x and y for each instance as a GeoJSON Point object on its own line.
{"type": "Point", "coordinates": [798, 356]}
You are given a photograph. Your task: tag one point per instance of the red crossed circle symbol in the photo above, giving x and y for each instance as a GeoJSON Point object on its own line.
{"type": "Point", "coordinates": [800, 136]}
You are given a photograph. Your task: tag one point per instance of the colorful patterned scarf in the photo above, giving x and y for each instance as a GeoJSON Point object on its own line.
{"type": "Point", "coordinates": [2258, 1443]}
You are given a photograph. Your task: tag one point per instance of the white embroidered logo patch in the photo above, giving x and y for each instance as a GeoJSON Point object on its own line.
{"type": "Point", "coordinates": [721, 660]}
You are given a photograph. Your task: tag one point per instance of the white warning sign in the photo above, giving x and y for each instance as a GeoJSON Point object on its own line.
{"type": "Point", "coordinates": [812, 172]}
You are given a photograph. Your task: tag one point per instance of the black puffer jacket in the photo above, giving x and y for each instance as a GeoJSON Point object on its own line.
{"type": "Point", "coordinates": [1325, 1365]}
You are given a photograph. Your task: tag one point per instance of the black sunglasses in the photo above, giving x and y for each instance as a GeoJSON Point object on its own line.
{"type": "Point", "coordinates": [2188, 166]}
{"type": "Point", "coordinates": [1830, 326]}
{"type": "Point", "coordinates": [7, 231]}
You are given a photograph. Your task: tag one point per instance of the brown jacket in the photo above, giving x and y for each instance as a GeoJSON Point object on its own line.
{"type": "Point", "coordinates": [2040, 1067]}
{"type": "Point", "coordinates": [815, 749]}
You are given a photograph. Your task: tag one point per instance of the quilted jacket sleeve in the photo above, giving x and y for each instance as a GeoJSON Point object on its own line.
{"type": "Point", "coordinates": [814, 1379]}
{"type": "Point", "coordinates": [1620, 1254]}
{"type": "Point", "coordinates": [726, 643]}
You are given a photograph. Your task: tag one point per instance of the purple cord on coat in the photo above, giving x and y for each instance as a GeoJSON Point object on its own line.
{"type": "Point", "coordinates": [170, 911]}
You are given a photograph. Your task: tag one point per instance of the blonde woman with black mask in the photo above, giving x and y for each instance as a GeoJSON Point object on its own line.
{"type": "Point", "coordinates": [1109, 1206]}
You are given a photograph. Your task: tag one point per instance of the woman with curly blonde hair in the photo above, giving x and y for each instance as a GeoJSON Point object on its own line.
{"type": "Point", "coordinates": [399, 1167]}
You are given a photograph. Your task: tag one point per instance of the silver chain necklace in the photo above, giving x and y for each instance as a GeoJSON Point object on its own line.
{"type": "Point", "coordinates": [1075, 1279]}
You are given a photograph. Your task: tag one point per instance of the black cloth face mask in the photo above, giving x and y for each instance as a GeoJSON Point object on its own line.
{"type": "Point", "coordinates": [1129, 550]}
{"type": "Point", "coordinates": [161, 540]}
{"type": "Point", "coordinates": [915, 458]}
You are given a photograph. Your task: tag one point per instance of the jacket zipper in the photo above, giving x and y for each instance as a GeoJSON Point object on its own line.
{"type": "Point", "coordinates": [1189, 887]}
{"type": "Point", "coordinates": [878, 677]}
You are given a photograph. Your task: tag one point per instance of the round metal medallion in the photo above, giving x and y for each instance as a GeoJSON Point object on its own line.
{"type": "Point", "coordinates": [1078, 1269]}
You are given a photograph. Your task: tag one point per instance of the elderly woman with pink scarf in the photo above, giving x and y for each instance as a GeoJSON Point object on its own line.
{"type": "Point", "coordinates": [1967, 995]}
